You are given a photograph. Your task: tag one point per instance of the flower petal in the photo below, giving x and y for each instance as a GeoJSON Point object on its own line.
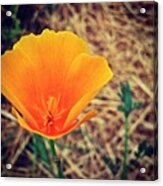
{"type": "Point", "coordinates": [86, 76]}
{"type": "Point", "coordinates": [25, 125]}
{"type": "Point", "coordinates": [51, 53]}
{"type": "Point", "coordinates": [52, 71]}
{"type": "Point", "coordinates": [73, 126]}
{"type": "Point", "coordinates": [15, 84]}
{"type": "Point", "coordinates": [21, 121]}
{"type": "Point", "coordinates": [36, 68]}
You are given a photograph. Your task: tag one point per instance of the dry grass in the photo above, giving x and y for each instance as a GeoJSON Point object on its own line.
{"type": "Point", "coordinates": [126, 38]}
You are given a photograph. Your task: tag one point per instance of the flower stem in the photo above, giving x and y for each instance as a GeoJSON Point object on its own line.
{"type": "Point", "coordinates": [125, 162]}
{"type": "Point", "coordinates": [58, 163]}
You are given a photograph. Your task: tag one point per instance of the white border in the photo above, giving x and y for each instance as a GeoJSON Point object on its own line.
{"type": "Point", "coordinates": [55, 182]}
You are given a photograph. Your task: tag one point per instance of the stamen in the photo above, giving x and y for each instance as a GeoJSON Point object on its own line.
{"type": "Point", "coordinates": [48, 119]}
{"type": "Point", "coordinates": [51, 109]}
{"type": "Point", "coordinates": [51, 103]}
{"type": "Point", "coordinates": [51, 115]}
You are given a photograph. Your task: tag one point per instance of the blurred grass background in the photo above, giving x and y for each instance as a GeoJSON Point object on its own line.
{"type": "Point", "coordinates": [95, 150]}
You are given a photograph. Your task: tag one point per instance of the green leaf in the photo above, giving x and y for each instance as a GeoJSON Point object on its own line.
{"type": "Point", "coordinates": [144, 149]}
{"type": "Point", "coordinates": [137, 105]}
{"type": "Point", "coordinates": [149, 151]}
{"type": "Point", "coordinates": [121, 108]}
{"type": "Point", "coordinates": [40, 148]}
{"type": "Point", "coordinates": [127, 105]}
{"type": "Point", "coordinates": [58, 162]}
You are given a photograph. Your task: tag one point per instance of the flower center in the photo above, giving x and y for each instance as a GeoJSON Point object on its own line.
{"type": "Point", "coordinates": [50, 111]}
{"type": "Point", "coordinates": [52, 115]}
{"type": "Point", "coordinates": [48, 119]}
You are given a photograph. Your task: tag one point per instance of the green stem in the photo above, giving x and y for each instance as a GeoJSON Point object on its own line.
{"type": "Point", "coordinates": [125, 162]}
{"type": "Point", "coordinates": [58, 163]}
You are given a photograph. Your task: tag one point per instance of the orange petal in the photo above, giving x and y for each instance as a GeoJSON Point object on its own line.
{"type": "Point", "coordinates": [51, 55]}
{"type": "Point", "coordinates": [86, 76]}
{"type": "Point", "coordinates": [21, 121]}
{"type": "Point", "coordinates": [85, 118]}
{"type": "Point", "coordinates": [18, 83]}
{"type": "Point", "coordinates": [24, 125]}
{"type": "Point", "coordinates": [36, 68]}
{"type": "Point", "coordinates": [51, 65]}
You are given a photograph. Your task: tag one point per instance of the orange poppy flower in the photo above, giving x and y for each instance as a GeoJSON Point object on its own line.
{"type": "Point", "coordinates": [49, 79]}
